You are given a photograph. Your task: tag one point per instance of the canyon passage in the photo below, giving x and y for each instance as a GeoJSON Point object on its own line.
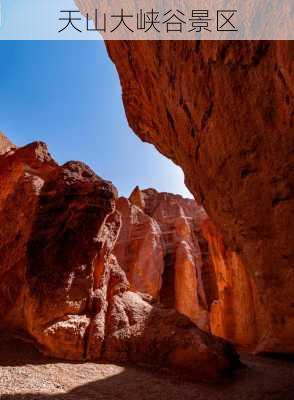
{"type": "Point", "coordinates": [155, 278]}
{"type": "Point", "coordinates": [62, 287]}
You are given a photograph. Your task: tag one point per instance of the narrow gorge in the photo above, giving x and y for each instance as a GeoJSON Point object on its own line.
{"type": "Point", "coordinates": [202, 288]}
{"type": "Point", "coordinates": [63, 289]}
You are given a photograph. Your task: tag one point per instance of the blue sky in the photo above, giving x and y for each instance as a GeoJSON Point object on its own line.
{"type": "Point", "coordinates": [67, 94]}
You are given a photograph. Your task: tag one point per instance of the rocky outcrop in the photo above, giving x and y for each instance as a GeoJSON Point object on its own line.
{"type": "Point", "coordinates": [60, 284]}
{"type": "Point", "coordinates": [158, 248]}
{"type": "Point", "coordinates": [223, 111]}
{"type": "Point", "coordinates": [49, 241]}
{"type": "Point", "coordinates": [170, 249]}
{"type": "Point", "coordinates": [5, 144]}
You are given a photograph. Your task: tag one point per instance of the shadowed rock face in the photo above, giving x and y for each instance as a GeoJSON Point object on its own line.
{"type": "Point", "coordinates": [223, 111]}
{"type": "Point", "coordinates": [60, 284]}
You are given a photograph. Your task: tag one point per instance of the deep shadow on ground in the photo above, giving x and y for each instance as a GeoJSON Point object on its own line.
{"type": "Point", "coordinates": [26, 375]}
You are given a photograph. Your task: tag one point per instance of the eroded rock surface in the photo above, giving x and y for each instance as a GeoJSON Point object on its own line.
{"type": "Point", "coordinates": [170, 249]}
{"type": "Point", "coordinates": [139, 249]}
{"type": "Point", "coordinates": [233, 308]}
{"type": "Point", "coordinates": [159, 250]}
{"type": "Point", "coordinates": [60, 284]}
{"type": "Point", "coordinates": [223, 111]}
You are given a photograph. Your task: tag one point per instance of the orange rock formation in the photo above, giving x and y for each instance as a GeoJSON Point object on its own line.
{"type": "Point", "coordinates": [60, 284]}
{"type": "Point", "coordinates": [159, 250]}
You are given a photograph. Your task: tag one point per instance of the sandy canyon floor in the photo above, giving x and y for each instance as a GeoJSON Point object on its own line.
{"type": "Point", "coordinates": [27, 375]}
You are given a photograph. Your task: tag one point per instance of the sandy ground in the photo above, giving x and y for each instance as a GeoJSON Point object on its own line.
{"type": "Point", "coordinates": [26, 375]}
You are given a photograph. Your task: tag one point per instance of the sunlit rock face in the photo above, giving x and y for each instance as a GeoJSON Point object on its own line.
{"type": "Point", "coordinates": [60, 284]}
{"type": "Point", "coordinates": [171, 250]}
{"type": "Point", "coordinates": [5, 144]}
{"type": "Point", "coordinates": [223, 112]}
{"type": "Point", "coordinates": [139, 249]}
{"type": "Point", "coordinates": [159, 250]}
{"type": "Point", "coordinates": [233, 309]}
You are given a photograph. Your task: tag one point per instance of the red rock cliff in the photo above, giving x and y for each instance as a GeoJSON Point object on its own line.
{"type": "Point", "coordinates": [170, 249]}
{"type": "Point", "coordinates": [159, 249]}
{"type": "Point", "coordinates": [223, 111]}
{"type": "Point", "coordinates": [60, 284]}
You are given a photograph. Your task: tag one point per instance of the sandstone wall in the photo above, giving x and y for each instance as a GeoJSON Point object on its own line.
{"type": "Point", "coordinates": [158, 249]}
{"type": "Point", "coordinates": [233, 312]}
{"type": "Point", "coordinates": [223, 111]}
{"type": "Point", "coordinates": [170, 249]}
